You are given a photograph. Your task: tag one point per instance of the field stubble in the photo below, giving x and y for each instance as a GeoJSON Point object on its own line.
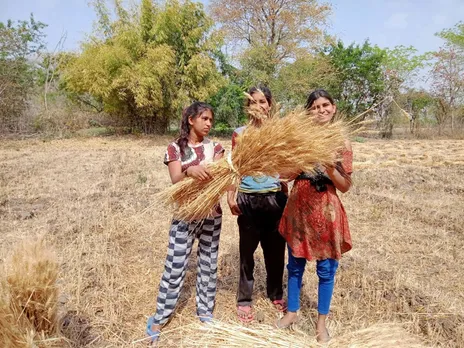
{"type": "Point", "coordinates": [94, 201]}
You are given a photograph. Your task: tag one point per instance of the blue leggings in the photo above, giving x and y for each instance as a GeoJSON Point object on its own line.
{"type": "Point", "coordinates": [326, 270]}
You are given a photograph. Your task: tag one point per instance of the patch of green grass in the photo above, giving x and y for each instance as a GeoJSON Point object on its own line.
{"type": "Point", "coordinates": [141, 178]}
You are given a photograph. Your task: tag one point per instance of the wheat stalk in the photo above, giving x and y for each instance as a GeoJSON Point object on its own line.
{"type": "Point", "coordinates": [291, 144]}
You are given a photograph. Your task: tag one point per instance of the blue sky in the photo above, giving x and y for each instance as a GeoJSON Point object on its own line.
{"type": "Point", "coordinates": [386, 23]}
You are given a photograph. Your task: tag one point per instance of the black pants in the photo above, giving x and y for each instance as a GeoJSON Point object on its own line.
{"type": "Point", "coordinates": [258, 223]}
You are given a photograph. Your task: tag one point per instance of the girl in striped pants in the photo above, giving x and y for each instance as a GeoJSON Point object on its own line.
{"type": "Point", "coordinates": [187, 157]}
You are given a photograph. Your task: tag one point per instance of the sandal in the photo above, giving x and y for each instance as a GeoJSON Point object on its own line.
{"type": "Point", "coordinates": [245, 314]}
{"type": "Point", "coordinates": [153, 334]}
{"type": "Point", "coordinates": [280, 305]}
{"type": "Point", "coordinates": [205, 318]}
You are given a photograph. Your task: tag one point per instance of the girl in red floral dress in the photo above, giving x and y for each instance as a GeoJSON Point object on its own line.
{"type": "Point", "coordinates": [315, 225]}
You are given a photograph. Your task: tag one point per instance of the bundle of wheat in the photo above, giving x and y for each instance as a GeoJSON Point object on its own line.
{"type": "Point", "coordinates": [230, 334]}
{"type": "Point", "coordinates": [290, 144]}
{"type": "Point", "coordinates": [31, 278]}
{"type": "Point", "coordinates": [9, 332]}
{"type": "Point", "coordinates": [28, 298]}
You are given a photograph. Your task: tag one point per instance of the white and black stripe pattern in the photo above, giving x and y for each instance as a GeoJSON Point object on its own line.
{"type": "Point", "coordinates": [181, 237]}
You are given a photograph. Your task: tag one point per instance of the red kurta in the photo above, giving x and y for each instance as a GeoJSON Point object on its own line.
{"type": "Point", "coordinates": [314, 224]}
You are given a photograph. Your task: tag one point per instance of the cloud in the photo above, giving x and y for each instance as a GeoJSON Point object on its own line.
{"type": "Point", "coordinates": [397, 21]}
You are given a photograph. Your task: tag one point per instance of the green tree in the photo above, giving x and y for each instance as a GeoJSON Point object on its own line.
{"type": "Point", "coordinates": [297, 79]}
{"type": "Point", "coordinates": [418, 103]}
{"type": "Point", "coordinates": [259, 64]}
{"type": "Point", "coordinates": [20, 43]}
{"type": "Point", "coordinates": [228, 106]}
{"type": "Point", "coordinates": [360, 69]}
{"type": "Point", "coordinates": [401, 66]}
{"type": "Point", "coordinates": [228, 102]}
{"type": "Point", "coordinates": [454, 36]}
{"type": "Point", "coordinates": [148, 63]}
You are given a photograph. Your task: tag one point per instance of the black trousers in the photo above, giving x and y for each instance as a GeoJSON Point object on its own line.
{"type": "Point", "coordinates": [258, 223]}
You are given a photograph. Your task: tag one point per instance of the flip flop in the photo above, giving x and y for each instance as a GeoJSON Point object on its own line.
{"type": "Point", "coordinates": [205, 318]}
{"type": "Point", "coordinates": [247, 314]}
{"type": "Point", "coordinates": [280, 305]}
{"type": "Point", "coordinates": [153, 334]}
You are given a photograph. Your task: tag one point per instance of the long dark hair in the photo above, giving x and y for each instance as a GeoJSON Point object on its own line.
{"type": "Point", "coordinates": [193, 111]}
{"type": "Point", "coordinates": [266, 91]}
{"type": "Point", "coordinates": [318, 93]}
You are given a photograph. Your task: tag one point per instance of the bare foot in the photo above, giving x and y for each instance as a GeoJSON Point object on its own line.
{"type": "Point", "coordinates": [287, 320]}
{"type": "Point", "coordinates": [322, 335]}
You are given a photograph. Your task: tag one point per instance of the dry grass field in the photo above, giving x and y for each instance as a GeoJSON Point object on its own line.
{"type": "Point", "coordinates": [94, 202]}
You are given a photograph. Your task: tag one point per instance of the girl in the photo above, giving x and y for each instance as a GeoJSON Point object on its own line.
{"type": "Point", "coordinates": [314, 223]}
{"type": "Point", "coordinates": [259, 206]}
{"type": "Point", "coordinates": [186, 157]}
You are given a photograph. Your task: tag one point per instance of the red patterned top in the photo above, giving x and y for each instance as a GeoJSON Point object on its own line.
{"type": "Point", "coordinates": [194, 155]}
{"type": "Point", "coordinates": [314, 224]}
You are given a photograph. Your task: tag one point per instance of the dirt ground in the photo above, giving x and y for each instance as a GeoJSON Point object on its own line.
{"type": "Point", "coordinates": [94, 201]}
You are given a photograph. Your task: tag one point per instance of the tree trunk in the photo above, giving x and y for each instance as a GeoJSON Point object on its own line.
{"type": "Point", "coordinates": [440, 128]}
{"type": "Point", "coordinates": [385, 122]}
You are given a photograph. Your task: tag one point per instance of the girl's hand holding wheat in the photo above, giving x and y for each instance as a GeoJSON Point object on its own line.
{"type": "Point", "coordinates": [198, 172]}
{"type": "Point", "coordinates": [234, 209]}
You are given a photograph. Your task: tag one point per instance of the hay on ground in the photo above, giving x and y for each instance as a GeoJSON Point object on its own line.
{"type": "Point", "coordinates": [28, 298]}
{"type": "Point", "coordinates": [10, 334]}
{"type": "Point", "coordinates": [229, 334]}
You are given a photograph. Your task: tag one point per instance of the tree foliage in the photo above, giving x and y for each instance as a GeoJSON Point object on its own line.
{"type": "Point", "coordinates": [147, 63]}
{"type": "Point", "coordinates": [454, 36]}
{"type": "Point", "coordinates": [448, 83]}
{"type": "Point", "coordinates": [297, 79]}
{"type": "Point", "coordinates": [228, 106]}
{"type": "Point", "coordinates": [20, 43]}
{"type": "Point", "coordinates": [360, 69]}
{"type": "Point", "coordinates": [419, 104]}
{"type": "Point", "coordinates": [143, 63]}
{"type": "Point", "coordinates": [269, 33]}
{"type": "Point", "coordinates": [402, 66]}
{"type": "Point", "coordinates": [447, 75]}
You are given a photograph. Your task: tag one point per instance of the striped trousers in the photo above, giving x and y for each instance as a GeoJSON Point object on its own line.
{"type": "Point", "coordinates": [182, 234]}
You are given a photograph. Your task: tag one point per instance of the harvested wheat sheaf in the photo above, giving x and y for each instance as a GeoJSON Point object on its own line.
{"type": "Point", "coordinates": [290, 144]}
{"type": "Point", "coordinates": [28, 298]}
